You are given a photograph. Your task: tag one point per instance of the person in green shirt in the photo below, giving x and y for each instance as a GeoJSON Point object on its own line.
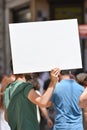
{"type": "Point", "coordinates": [20, 100]}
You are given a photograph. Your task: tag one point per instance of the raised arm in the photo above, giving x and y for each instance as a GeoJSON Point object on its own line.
{"type": "Point", "coordinates": [42, 101]}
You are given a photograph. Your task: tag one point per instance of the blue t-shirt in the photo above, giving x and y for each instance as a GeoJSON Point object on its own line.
{"type": "Point", "coordinates": [65, 98]}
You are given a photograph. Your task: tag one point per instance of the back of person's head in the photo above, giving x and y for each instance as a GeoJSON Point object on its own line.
{"type": "Point", "coordinates": [81, 78]}
{"type": "Point", "coordinates": [64, 72]}
{"type": "Point", "coordinates": [68, 72]}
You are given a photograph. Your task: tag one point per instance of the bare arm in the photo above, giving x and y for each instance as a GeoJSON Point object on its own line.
{"type": "Point", "coordinates": [83, 99]}
{"type": "Point", "coordinates": [45, 114]}
{"type": "Point", "coordinates": [42, 101]}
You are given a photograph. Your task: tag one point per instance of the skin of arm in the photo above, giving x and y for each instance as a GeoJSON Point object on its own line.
{"type": "Point", "coordinates": [44, 113]}
{"type": "Point", "coordinates": [83, 99]}
{"type": "Point", "coordinates": [42, 101]}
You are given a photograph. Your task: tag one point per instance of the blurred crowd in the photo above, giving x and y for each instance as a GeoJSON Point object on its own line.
{"type": "Point", "coordinates": [40, 81]}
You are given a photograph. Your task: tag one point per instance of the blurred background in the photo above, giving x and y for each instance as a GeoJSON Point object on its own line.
{"type": "Point", "coordinates": [16, 11]}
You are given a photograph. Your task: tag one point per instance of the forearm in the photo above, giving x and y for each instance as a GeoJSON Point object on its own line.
{"type": "Point", "coordinates": [44, 112]}
{"type": "Point", "coordinates": [44, 99]}
{"type": "Point", "coordinates": [46, 116]}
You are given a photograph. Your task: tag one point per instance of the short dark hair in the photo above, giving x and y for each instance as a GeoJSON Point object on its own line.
{"type": "Point", "coordinates": [69, 71]}
{"type": "Point", "coordinates": [63, 72]}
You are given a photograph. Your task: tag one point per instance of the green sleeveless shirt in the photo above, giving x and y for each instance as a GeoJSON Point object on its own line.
{"type": "Point", "coordinates": [21, 112]}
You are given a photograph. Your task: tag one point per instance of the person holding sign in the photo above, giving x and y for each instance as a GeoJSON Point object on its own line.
{"type": "Point", "coordinates": [20, 100]}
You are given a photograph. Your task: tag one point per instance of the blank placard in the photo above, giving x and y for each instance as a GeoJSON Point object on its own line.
{"type": "Point", "coordinates": [42, 46]}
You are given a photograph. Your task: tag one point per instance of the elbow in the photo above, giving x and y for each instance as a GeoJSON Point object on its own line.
{"type": "Point", "coordinates": [43, 103]}
{"type": "Point", "coordinates": [46, 104]}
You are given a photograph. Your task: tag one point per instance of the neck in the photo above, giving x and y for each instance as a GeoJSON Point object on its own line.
{"type": "Point", "coordinates": [64, 77]}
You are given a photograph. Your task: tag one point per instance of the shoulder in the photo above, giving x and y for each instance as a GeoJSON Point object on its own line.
{"type": "Point", "coordinates": [27, 87]}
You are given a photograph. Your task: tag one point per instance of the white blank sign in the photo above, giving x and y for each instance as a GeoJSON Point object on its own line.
{"type": "Point", "coordinates": [42, 46]}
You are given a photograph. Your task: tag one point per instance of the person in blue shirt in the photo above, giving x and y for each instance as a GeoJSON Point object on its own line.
{"type": "Point", "coordinates": [66, 99]}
